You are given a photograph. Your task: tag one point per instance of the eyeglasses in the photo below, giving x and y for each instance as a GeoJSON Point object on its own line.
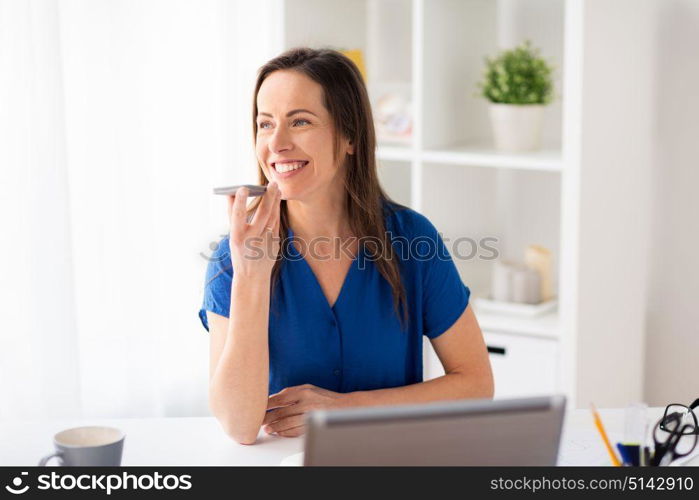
{"type": "Point", "coordinates": [686, 416]}
{"type": "Point", "coordinates": [671, 434]}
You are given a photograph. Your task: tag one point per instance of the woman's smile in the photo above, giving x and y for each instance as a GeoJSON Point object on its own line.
{"type": "Point", "coordinates": [284, 169]}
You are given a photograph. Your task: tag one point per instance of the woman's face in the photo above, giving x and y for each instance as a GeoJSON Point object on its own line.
{"type": "Point", "coordinates": [295, 131]}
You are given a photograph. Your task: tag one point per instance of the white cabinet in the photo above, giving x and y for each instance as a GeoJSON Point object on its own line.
{"type": "Point", "coordinates": [522, 366]}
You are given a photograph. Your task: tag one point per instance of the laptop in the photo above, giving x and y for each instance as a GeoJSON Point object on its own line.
{"type": "Point", "coordinates": [506, 432]}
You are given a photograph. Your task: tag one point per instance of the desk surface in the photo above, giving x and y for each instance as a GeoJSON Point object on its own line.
{"type": "Point", "coordinates": [201, 441]}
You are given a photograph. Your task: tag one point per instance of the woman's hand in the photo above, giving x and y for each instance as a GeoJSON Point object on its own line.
{"type": "Point", "coordinates": [254, 246]}
{"type": "Point", "coordinates": [286, 409]}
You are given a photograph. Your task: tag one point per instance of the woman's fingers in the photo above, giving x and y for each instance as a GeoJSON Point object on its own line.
{"type": "Point", "coordinates": [274, 217]}
{"type": "Point", "coordinates": [295, 432]}
{"type": "Point", "coordinates": [283, 412]}
{"type": "Point", "coordinates": [286, 424]}
{"type": "Point", "coordinates": [238, 207]}
{"type": "Point", "coordinates": [264, 209]}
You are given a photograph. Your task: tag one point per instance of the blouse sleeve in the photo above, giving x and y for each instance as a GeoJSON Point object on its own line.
{"type": "Point", "coordinates": [445, 297]}
{"type": "Point", "coordinates": [217, 285]}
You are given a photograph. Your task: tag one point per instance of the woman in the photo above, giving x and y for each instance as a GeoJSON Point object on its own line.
{"type": "Point", "coordinates": [319, 297]}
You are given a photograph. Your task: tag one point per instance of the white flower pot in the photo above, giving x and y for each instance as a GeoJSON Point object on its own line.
{"type": "Point", "coordinates": [517, 127]}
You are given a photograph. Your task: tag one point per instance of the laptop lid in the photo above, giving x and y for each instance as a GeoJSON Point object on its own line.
{"type": "Point", "coordinates": [522, 431]}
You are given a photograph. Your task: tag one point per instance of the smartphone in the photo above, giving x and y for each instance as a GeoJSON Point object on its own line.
{"type": "Point", "coordinates": [253, 190]}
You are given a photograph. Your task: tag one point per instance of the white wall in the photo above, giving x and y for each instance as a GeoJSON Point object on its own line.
{"type": "Point", "coordinates": [615, 179]}
{"type": "Point", "coordinates": [672, 344]}
{"type": "Point", "coordinates": [638, 278]}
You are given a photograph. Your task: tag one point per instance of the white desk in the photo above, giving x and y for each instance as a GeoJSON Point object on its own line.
{"type": "Point", "coordinates": [201, 441]}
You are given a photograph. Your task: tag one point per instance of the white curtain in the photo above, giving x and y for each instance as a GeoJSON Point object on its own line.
{"type": "Point", "coordinates": [117, 118]}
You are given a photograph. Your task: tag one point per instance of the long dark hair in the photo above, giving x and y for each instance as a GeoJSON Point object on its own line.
{"type": "Point", "coordinates": [346, 99]}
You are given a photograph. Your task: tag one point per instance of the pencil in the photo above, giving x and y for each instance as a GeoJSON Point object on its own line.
{"type": "Point", "coordinates": [603, 434]}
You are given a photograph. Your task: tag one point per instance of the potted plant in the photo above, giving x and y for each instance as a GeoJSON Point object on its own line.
{"type": "Point", "coordinates": [519, 85]}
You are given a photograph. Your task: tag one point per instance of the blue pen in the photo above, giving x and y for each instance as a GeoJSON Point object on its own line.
{"type": "Point", "coordinates": [633, 451]}
{"type": "Point", "coordinates": [630, 454]}
{"type": "Point", "coordinates": [622, 452]}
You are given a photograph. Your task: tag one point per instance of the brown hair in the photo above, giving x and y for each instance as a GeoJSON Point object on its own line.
{"type": "Point", "coordinates": [346, 99]}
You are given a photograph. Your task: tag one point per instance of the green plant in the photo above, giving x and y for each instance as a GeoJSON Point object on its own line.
{"type": "Point", "coordinates": [517, 76]}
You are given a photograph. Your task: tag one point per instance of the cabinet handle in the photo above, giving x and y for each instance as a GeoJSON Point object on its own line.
{"type": "Point", "coordinates": [497, 350]}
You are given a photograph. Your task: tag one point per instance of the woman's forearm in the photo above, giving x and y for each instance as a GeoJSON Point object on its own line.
{"type": "Point", "coordinates": [450, 386]}
{"type": "Point", "coordinates": [239, 387]}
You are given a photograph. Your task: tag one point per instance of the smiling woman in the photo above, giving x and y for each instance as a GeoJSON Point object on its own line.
{"type": "Point", "coordinates": [341, 325]}
{"type": "Point", "coordinates": [305, 115]}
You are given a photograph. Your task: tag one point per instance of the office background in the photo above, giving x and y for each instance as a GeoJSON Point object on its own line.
{"type": "Point", "coordinates": [119, 116]}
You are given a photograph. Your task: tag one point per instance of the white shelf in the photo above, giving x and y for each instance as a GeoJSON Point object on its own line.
{"type": "Point", "coordinates": [546, 160]}
{"type": "Point", "coordinates": [482, 156]}
{"type": "Point", "coordinates": [546, 325]}
{"type": "Point", "coordinates": [394, 153]}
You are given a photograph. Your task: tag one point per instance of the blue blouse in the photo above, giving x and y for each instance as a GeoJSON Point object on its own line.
{"type": "Point", "coordinates": [358, 344]}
